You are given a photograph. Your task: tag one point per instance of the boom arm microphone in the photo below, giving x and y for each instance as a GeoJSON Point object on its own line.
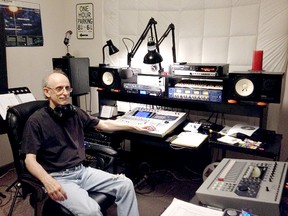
{"type": "Point", "coordinates": [67, 37]}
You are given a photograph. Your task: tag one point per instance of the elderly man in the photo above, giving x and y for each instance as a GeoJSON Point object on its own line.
{"type": "Point", "coordinates": [53, 142]}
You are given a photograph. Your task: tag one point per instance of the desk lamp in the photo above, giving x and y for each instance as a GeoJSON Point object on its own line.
{"type": "Point", "coordinates": [171, 28]}
{"type": "Point", "coordinates": [152, 46]}
{"type": "Point", "coordinates": [112, 50]}
{"type": "Point", "coordinates": [151, 57]}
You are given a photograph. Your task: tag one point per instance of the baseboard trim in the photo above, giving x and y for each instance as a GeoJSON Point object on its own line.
{"type": "Point", "coordinates": [6, 168]}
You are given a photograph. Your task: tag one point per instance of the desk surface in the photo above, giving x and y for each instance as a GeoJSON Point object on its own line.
{"type": "Point", "coordinates": [271, 147]}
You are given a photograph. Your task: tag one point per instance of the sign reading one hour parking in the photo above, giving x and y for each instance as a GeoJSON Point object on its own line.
{"type": "Point", "coordinates": [85, 21]}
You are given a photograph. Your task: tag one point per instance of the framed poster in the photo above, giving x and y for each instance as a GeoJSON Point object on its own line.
{"type": "Point", "coordinates": [22, 22]}
{"type": "Point", "coordinates": [85, 21]}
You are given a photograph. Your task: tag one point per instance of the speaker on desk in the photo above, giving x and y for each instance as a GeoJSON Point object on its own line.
{"type": "Point", "coordinates": [77, 70]}
{"type": "Point", "coordinates": [256, 87]}
{"type": "Point", "coordinates": [109, 78]}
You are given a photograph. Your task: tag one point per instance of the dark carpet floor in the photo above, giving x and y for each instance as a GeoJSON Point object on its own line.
{"type": "Point", "coordinates": [154, 192]}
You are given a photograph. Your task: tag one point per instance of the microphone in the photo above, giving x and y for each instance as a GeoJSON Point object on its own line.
{"type": "Point", "coordinates": [67, 37]}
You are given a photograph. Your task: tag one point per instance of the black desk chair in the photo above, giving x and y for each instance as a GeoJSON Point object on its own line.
{"type": "Point", "coordinates": [43, 205]}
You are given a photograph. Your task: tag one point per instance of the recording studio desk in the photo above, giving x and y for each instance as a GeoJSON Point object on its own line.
{"type": "Point", "coordinates": [158, 150]}
{"type": "Point", "coordinates": [145, 145]}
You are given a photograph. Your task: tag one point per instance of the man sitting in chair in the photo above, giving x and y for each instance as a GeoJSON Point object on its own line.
{"type": "Point", "coordinates": [53, 142]}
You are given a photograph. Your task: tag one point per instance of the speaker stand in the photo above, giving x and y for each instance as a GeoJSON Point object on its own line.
{"type": "Point", "coordinates": [76, 101]}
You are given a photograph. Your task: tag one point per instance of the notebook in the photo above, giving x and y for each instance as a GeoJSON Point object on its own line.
{"type": "Point", "coordinates": [189, 139]}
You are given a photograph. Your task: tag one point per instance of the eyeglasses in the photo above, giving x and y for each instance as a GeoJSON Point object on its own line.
{"type": "Point", "coordinates": [60, 89]}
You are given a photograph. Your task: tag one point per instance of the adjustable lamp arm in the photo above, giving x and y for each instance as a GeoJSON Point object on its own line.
{"type": "Point", "coordinates": [103, 53]}
{"type": "Point", "coordinates": [171, 27]}
{"type": "Point", "coordinates": [151, 23]}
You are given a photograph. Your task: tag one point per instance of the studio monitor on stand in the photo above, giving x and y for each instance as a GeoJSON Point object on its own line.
{"type": "Point", "coordinates": [77, 71]}
{"type": "Point", "coordinates": [255, 86]}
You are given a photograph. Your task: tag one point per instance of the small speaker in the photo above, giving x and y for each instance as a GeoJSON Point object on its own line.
{"type": "Point", "coordinates": [256, 87]}
{"type": "Point", "coordinates": [108, 78]}
{"type": "Point", "coordinates": [77, 71]}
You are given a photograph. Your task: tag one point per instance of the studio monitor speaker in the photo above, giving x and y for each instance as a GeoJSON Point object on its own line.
{"type": "Point", "coordinates": [77, 70]}
{"type": "Point", "coordinates": [108, 78]}
{"type": "Point", "coordinates": [254, 86]}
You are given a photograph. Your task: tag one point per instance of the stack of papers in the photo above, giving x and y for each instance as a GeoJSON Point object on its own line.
{"type": "Point", "coordinates": [189, 139]}
{"type": "Point", "coordinates": [181, 208]}
{"type": "Point", "coordinates": [9, 100]}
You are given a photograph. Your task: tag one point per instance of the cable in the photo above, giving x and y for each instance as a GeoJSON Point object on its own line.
{"type": "Point", "coordinates": [126, 44]}
{"type": "Point", "coordinates": [149, 182]}
{"type": "Point", "coordinates": [7, 173]}
{"type": "Point", "coordinates": [9, 198]}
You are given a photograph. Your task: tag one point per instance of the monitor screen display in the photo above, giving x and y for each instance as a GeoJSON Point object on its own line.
{"type": "Point", "coordinates": [143, 114]}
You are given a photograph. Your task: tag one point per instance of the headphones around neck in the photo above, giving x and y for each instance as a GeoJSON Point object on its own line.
{"type": "Point", "coordinates": [62, 112]}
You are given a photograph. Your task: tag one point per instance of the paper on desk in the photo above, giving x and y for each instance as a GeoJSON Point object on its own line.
{"type": "Point", "coordinates": [180, 208]}
{"type": "Point", "coordinates": [242, 128]}
{"type": "Point", "coordinates": [229, 139]}
{"type": "Point", "coordinates": [189, 139]}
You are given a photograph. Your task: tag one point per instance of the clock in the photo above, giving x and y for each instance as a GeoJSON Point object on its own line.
{"type": "Point", "coordinates": [244, 87]}
{"type": "Point", "coordinates": [107, 78]}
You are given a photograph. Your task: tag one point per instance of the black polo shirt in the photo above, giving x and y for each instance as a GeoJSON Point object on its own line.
{"type": "Point", "coordinates": [58, 144]}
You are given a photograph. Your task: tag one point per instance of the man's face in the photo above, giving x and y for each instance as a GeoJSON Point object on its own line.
{"type": "Point", "coordinates": [57, 90]}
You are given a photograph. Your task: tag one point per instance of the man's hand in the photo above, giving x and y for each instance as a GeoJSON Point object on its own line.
{"type": "Point", "coordinates": [54, 189]}
{"type": "Point", "coordinates": [146, 128]}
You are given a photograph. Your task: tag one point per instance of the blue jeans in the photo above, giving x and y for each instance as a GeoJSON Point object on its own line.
{"type": "Point", "coordinates": [78, 182]}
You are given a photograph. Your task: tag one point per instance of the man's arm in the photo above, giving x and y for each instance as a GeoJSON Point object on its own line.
{"type": "Point", "coordinates": [53, 188]}
{"type": "Point", "coordinates": [111, 125]}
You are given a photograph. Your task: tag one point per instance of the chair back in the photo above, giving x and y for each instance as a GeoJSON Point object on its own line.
{"type": "Point", "coordinates": [16, 119]}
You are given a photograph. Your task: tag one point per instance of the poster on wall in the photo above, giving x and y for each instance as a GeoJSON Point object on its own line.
{"type": "Point", "coordinates": [85, 21]}
{"type": "Point", "coordinates": [23, 27]}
